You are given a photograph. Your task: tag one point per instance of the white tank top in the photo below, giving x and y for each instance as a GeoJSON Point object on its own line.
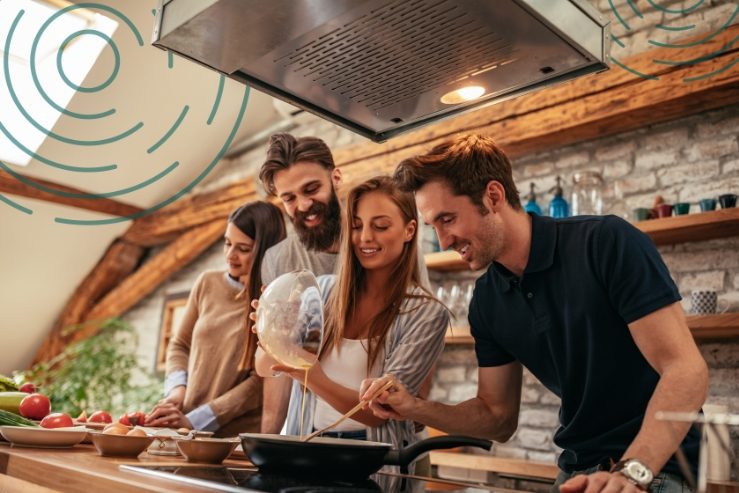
{"type": "Point", "coordinates": [347, 368]}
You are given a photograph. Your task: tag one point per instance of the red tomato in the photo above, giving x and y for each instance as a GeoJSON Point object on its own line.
{"type": "Point", "coordinates": [28, 388]}
{"type": "Point", "coordinates": [136, 418]}
{"type": "Point", "coordinates": [35, 406]}
{"type": "Point", "coordinates": [100, 417]}
{"type": "Point", "coordinates": [56, 420]}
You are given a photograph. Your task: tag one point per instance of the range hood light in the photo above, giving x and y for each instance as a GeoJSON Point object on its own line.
{"type": "Point", "coordinates": [463, 94]}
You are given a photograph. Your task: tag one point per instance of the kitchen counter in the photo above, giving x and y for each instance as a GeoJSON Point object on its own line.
{"type": "Point", "coordinates": [81, 469]}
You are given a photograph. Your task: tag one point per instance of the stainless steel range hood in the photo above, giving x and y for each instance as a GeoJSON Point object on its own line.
{"type": "Point", "coordinates": [381, 67]}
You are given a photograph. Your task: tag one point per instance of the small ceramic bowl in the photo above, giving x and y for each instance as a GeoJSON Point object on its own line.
{"type": "Point", "coordinates": [195, 433]}
{"type": "Point", "coordinates": [165, 445]}
{"type": "Point", "coordinates": [90, 428]}
{"type": "Point", "coordinates": [120, 445]}
{"type": "Point", "coordinates": [207, 450]}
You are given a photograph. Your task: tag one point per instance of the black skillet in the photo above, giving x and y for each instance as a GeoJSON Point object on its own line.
{"type": "Point", "coordinates": [339, 457]}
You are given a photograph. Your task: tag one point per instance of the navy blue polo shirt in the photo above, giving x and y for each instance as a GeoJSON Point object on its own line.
{"type": "Point", "coordinates": [565, 319]}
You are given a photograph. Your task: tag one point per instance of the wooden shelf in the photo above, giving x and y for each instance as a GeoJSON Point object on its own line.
{"type": "Point", "coordinates": [458, 335]}
{"type": "Point", "coordinates": [692, 227]}
{"type": "Point", "coordinates": [501, 465]}
{"type": "Point", "coordinates": [445, 261]}
{"type": "Point", "coordinates": [459, 340]}
{"type": "Point", "coordinates": [719, 326]}
{"type": "Point", "coordinates": [665, 231]}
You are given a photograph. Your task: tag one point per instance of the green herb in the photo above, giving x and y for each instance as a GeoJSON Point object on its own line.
{"type": "Point", "coordinates": [97, 373]}
{"type": "Point", "coordinates": [11, 419]}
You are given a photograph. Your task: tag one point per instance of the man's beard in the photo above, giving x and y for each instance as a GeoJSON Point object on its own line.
{"type": "Point", "coordinates": [325, 235]}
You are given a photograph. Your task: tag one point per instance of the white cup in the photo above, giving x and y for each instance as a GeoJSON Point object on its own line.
{"type": "Point", "coordinates": [706, 303]}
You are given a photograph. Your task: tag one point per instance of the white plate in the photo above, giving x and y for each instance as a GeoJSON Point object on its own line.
{"type": "Point", "coordinates": [42, 437]}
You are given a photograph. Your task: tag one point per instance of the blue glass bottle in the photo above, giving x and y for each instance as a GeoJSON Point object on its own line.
{"type": "Point", "coordinates": [531, 205]}
{"type": "Point", "coordinates": [558, 207]}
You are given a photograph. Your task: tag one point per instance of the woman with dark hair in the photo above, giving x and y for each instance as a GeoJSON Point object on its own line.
{"type": "Point", "coordinates": [211, 383]}
{"type": "Point", "coordinates": [379, 319]}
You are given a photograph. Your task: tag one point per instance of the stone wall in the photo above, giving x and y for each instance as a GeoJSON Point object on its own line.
{"type": "Point", "coordinates": [684, 160]}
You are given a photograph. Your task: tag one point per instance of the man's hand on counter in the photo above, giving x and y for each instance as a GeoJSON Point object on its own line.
{"type": "Point", "coordinates": [599, 481]}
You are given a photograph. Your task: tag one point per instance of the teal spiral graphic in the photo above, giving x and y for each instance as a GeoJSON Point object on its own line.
{"type": "Point", "coordinates": [627, 19]}
{"type": "Point", "coordinates": [129, 130]}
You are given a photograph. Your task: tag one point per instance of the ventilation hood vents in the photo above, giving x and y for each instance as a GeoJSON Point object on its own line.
{"type": "Point", "coordinates": [381, 67]}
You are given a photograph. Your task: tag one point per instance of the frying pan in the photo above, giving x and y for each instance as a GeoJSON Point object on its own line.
{"type": "Point", "coordinates": [339, 457]}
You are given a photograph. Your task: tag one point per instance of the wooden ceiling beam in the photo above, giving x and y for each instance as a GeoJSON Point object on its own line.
{"type": "Point", "coordinates": [13, 186]}
{"type": "Point", "coordinates": [189, 246]}
{"type": "Point", "coordinates": [164, 225]}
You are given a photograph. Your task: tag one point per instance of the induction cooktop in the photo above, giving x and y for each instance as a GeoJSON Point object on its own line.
{"type": "Point", "coordinates": [246, 479]}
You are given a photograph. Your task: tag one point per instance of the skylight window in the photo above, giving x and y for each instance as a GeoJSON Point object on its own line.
{"type": "Point", "coordinates": [80, 37]}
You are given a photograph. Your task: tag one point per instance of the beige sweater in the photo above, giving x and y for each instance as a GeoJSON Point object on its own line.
{"type": "Point", "coordinates": [209, 345]}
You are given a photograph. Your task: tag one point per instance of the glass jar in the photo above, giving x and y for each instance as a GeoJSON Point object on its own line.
{"type": "Point", "coordinates": [587, 194]}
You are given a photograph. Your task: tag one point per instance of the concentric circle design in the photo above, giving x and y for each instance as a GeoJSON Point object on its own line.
{"type": "Point", "coordinates": [179, 118]}
{"type": "Point", "coordinates": [116, 61]}
{"type": "Point", "coordinates": [627, 20]}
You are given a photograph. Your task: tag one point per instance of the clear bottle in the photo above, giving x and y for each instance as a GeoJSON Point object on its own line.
{"type": "Point", "coordinates": [558, 207]}
{"type": "Point", "coordinates": [587, 194]}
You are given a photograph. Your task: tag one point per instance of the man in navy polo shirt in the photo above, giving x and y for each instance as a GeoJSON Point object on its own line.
{"type": "Point", "coordinates": [585, 303]}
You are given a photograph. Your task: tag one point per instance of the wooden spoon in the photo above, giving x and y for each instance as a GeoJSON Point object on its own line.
{"type": "Point", "coordinates": [351, 412]}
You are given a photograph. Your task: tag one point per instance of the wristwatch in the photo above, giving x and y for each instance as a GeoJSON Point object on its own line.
{"type": "Point", "coordinates": [635, 471]}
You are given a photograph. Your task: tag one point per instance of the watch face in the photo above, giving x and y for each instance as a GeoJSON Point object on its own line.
{"type": "Point", "coordinates": [638, 472]}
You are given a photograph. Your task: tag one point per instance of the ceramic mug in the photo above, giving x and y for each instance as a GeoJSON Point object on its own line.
{"type": "Point", "coordinates": [707, 204]}
{"type": "Point", "coordinates": [642, 213]}
{"type": "Point", "coordinates": [727, 200]}
{"type": "Point", "coordinates": [663, 210]}
{"type": "Point", "coordinates": [682, 208]}
{"type": "Point", "coordinates": [706, 303]}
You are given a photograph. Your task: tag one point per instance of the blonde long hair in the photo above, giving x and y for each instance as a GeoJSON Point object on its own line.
{"type": "Point", "coordinates": [351, 277]}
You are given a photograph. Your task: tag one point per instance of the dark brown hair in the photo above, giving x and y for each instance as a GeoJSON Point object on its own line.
{"type": "Point", "coordinates": [466, 164]}
{"type": "Point", "coordinates": [264, 223]}
{"type": "Point", "coordinates": [350, 279]}
{"type": "Point", "coordinates": [285, 150]}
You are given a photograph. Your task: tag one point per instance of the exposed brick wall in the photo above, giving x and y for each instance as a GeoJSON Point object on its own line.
{"type": "Point", "coordinates": [639, 31]}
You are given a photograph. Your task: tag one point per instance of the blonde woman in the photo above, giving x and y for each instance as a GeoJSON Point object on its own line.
{"type": "Point", "coordinates": [379, 320]}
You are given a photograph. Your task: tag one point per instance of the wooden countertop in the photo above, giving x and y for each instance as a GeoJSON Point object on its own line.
{"type": "Point", "coordinates": [81, 469]}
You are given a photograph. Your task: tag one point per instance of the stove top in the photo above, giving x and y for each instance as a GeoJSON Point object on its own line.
{"type": "Point", "coordinates": [240, 480]}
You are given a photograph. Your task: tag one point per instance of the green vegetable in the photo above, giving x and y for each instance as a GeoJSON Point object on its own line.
{"type": "Point", "coordinates": [7, 384]}
{"type": "Point", "coordinates": [12, 419]}
{"type": "Point", "coordinates": [100, 372]}
{"type": "Point", "coordinates": [11, 401]}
